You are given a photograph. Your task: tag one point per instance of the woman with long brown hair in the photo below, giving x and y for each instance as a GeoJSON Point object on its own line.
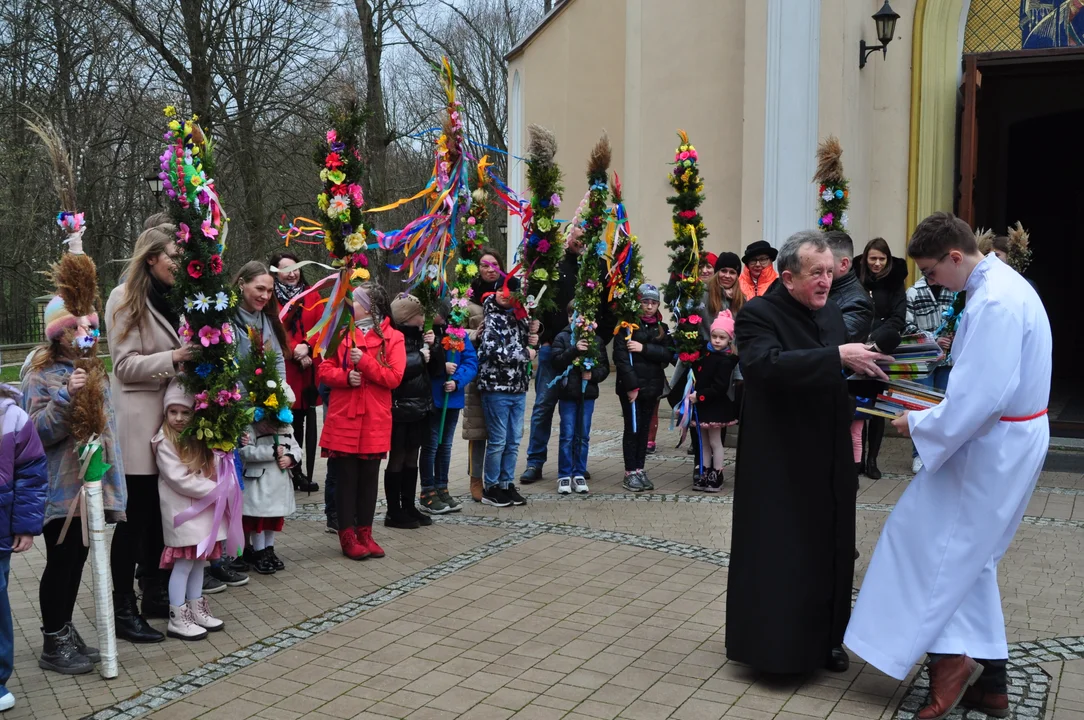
{"type": "Point", "coordinates": [146, 353]}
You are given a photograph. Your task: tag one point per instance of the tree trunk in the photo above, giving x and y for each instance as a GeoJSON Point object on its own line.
{"type": "Point", "coordinates": [376, 128]}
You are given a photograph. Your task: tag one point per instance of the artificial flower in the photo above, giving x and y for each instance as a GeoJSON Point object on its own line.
{"type": "Point", "coordinates": [201, 400]}
{"type": "Point", "coordinates": [271, 385]}
{"type": "Point", "coordinates": [694, 319]}
{"type": "Point", "coordinates": [185, 330]}
{"type": "Point", "coordinates": [338, 206]}
{"type": "Point", "coordinates": [204, 369]}
{"type": "Point", "coordinates": [183, 233]}
{"type": "Point", "coordinates": [471, 220]}
{"type": "Point", "coordinates": [223, 398]}
{"type": "Point", "coordinates": [321, 201]}
{"type": "Point", "coordinates": [285, 416]}
{"type": "Point", "coordinates": [839, 194]}
{"type": "Point", "coordinates": [827, 196]}
{"type": "Point", "coordinates": [214, 264]}
{"type": "Point", "coordinates": [257, 414]}
{"type": "Point", "coordinates": [227, 333]}
{"type": "Point", "coordinates": [335, 177]}
{"type": "Point", "coordinates": [339, 189]}
{"type": "Point", "coordinates": [209, 336]}
{"type": "Point", "coordinates": [827, 219]}
{"type": "Point", "coordinates": [354, 242]}
{"type": "Point", "coordinates": [356, 194]}
{"type": "Point", "coordinates": [323, 175]}
{"type": "Point", "coordinates": [843, 220]}
{"type": "Point", "coordinates": [555, 200]}
{"type": "Point", "coordinates": [209, 229]}
{"type": "Point", "coordinates": [471, 270]}
{"type": "Point", "coordinates": [195, 269]}
{"type": "Point", "coordinates": [332, 161]}
{"type": "Point", "coordinates": [271, 402]}
{"type": "Point", "coordinates": [332, 136]}
{"type": "Point", "coordinates": [202, 302]}
{"type": "Point", "coordinates": [540, 274]}
{"type": "Point", "coordinates": [543, 246]}
{"type": "Point", "coordinates": [600, 247]}
{"type": "Point", "coordinates": [432, 271]}
{"type": "Point", "coordinates": [360, 274]}
{"type": "Point", "coordinates": [259, 371]}
{"type": "Point", "coordinates": [189, 305]}
{"type": "Point", "coordinates": [170, 111]}
{"type": "Point", "coordinates": [222, 301]}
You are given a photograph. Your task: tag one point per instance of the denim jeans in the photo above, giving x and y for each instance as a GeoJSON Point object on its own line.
{"type": "Point", "coordinates": [938, 381]}
{"type": "Point", "coordinates": [437, 451]}
{"type": "Point", "coordinates": [572, 454]}
{"type": "Point", "coordinates": [545, 400]}
{"type": "Point", "coordinates": [329, 481]}
{"type": "Point", "coordinates": [7, 631]}
{"type": "Point", "coordinates": [504, 425]}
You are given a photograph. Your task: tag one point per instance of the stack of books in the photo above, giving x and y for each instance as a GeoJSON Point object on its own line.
{"type": "Point", "coordinates": [916, 357]}
{"type": "Point", "coordinates": [900, 396]}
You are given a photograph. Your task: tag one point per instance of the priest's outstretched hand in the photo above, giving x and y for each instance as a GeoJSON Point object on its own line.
{"type": "Point", "coordinates": [862, 360]}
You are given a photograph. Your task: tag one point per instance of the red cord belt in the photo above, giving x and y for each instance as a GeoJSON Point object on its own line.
{"type": "Point", "coordinates": [1024, 418]}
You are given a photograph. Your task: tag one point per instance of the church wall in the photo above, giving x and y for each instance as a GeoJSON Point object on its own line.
{"type": "Point", "coordinates": [685, 69]}
{"type": "Point", "coordinates": [869, 110]}
{"type": "Point", "coordinates": [571, 77]}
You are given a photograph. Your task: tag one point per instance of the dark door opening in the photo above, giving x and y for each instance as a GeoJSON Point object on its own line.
{"type": "Point", "coordinates": [1028, 111]}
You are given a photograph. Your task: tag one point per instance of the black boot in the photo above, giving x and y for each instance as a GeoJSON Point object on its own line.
{"type": "Point", "coordinates": [130, 624]}
{"type": "Point", "coordinates": [59, 654]}
{"type": "Point", "coordinates": [92, 653]}
{"type": "Point", "coordinates": [395, 517]}
{"type": "Point", "coordinates": [874, 436]}
{"type": "Point", "coordinates": [408, 488]}
{"type": "Point", "coordinates": [302, 483]}
{"type": "Point", "coordinates": [155, 596]}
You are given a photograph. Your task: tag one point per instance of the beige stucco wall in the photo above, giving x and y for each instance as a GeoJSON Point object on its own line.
{"type": "Point", "coordinates": [572, 82]}
{"type": "Point", "coordinates": [688, 72]}
{"type": "Point", "coordinates": [869, 110]}
{"type": "Point", "coordinates": [640, 69]}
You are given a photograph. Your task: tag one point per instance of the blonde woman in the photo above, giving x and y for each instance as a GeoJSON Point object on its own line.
{"type": "Point", "coordinates": [146, 353]}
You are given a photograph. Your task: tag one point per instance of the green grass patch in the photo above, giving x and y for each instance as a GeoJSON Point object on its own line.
{"type": "Point", "coordinates": [10, 373]}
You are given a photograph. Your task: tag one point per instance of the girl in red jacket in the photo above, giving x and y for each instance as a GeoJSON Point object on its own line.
{"type": "Point", "coordinates": [369, 364]}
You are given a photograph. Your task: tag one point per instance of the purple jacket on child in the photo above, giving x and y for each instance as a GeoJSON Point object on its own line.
{"type": "Point", "coordinates": [23, 472]}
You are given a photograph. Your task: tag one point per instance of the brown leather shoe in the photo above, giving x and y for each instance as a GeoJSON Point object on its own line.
{"type": "Point", "coordinates": [950, 678]}
{"type": "Point", "coordinates": [476, 489]}
{"type": "Point", "coordinates": [993, 704]}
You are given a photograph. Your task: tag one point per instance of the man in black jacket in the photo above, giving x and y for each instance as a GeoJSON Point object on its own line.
{"type": "Point", "coordinates": [545, 398]}
{"type": "Point", "coordinates": [847, 292]}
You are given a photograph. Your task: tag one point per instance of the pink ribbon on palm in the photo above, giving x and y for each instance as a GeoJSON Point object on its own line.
{"type": "Point", "coordinates": [225, 496]}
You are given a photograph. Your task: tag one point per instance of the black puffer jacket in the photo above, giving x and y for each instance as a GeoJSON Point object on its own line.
{"type": "Point", "coordinates": [645, 370]}
{"type": "Point", "coordinates": [857, 307]}
{"type": "Point", "coordinates": [889, 295]}
{"type": "Point", "coordinates": [563, 353]}
{"type": "Point", "coordinates": [413, 399]}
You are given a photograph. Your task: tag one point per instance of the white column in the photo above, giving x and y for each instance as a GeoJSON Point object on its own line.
{"type": "Point", "coordinates": [790, 142]}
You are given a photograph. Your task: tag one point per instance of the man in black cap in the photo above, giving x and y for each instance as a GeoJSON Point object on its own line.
{"type": "Point", "coordinates": [759, 274]}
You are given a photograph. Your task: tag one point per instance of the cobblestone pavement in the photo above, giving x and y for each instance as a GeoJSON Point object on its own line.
{"type": "Point", "coordinates": [605, 606]}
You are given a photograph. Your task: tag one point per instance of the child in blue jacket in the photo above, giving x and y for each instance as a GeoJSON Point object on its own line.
{"type": "Point", "coordinates": [24, 480]}
{"type": "Point", "coordinates": [460, 367]}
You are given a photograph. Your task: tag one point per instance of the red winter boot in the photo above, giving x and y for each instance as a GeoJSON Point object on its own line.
{"type": "Point", "coordinates": [365, 537]}
{"type": "Point", "coordinates": [350, 545]}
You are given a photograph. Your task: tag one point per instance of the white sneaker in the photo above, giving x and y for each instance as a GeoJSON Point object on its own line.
{"type": "Point", "coordinates": [579, 484]}
{"type": "Point", "coordinates": [182, 625]}
{"type": "Point", "coordinates": [7, 702]}
{"type": "Point", "coordinates": [564, 485]}
{"type": "Point", "coordinates": [916, 465]}
{"type": "Point", "coordinates": [201, 614]}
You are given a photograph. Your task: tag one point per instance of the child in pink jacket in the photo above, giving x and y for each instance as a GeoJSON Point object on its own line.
{"type": "Point", "coordinates": [189, 492]}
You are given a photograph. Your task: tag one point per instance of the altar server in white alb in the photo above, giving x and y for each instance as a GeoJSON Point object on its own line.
{"type": "Point", "coordinates": [931, 586]}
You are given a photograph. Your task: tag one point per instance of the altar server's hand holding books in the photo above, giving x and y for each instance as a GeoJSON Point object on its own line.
{"type": "Point", "coordinates": [901, 425]}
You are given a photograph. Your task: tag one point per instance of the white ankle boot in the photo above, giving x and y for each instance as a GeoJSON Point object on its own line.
{"type": "Point", "coordinates": [201, 614]}
{"type": "Point", "coordinates": [182, 625]}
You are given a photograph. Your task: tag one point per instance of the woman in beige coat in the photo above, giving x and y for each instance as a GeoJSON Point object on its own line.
{"type": "Point", "coordinates": [490, 271]}
{"type": "Point", "coordinates": [146, 352]}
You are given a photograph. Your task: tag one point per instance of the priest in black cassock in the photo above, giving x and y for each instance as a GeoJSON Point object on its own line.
{"type": "Point", "coordinates": [792, 549]}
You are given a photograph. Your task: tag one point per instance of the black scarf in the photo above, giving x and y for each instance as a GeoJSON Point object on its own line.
{"type": "Point", "coordinates": [480, 287]}
{"type": "Point", "coordinates": [157, 295]}
{"type": "Point", "coordinates": [285, 293]}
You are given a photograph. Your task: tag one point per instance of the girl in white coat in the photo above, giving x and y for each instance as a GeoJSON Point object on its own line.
{"type": "Point", "coordinates": [268, 452]}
